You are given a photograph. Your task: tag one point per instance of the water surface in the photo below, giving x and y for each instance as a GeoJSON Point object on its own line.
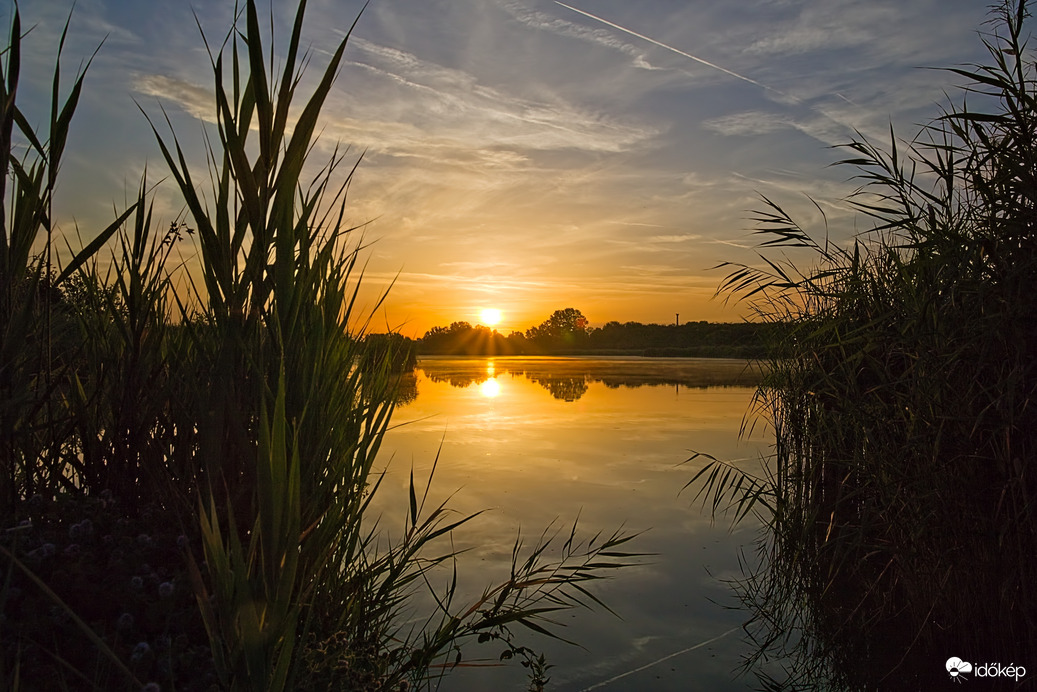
{"type": "Point", "coordinates": [542, 440]}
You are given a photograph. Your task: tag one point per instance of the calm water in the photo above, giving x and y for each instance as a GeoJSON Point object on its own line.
{"type": "Point", "coordinates": [536, 440]}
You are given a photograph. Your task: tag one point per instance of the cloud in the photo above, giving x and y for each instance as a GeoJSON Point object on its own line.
{"type": "Point", "coordinates": [831, 125]}
{"type": "Point", "coordinates": [429, 126]}
{"type": "Point", "coordinates": [546, 22]}
{"type": "Point", "coordinates": [748, 123]}
{"type": "Point", "coordinates": [674, 238]}
{"type": "Point", "coordinates": [193, 99]}
{"type": "Point", "coordinates": [517, 149]}
{"type": "Point", "coordinates": [637, 223]}
{"type": "Point", "coordinates": [670, 48]}
{"type": "Point", "coordinates": [884, 30]}
{"type": "Point", "coordinates": [437, 108]}
{"type": "Point", "coordinates": [652, 269]}
{"type": "Point", "coordinates": [484, 266]}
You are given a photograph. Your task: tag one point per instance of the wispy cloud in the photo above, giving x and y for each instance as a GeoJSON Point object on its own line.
{"type": "Point", "coordinates": [674, 238]}
{"type": "Point", "coordinates": [192, 98]}
{"type": "Point", "coordinates": [602, 153]}
{"type": "Point", "coordinates": [881, 30]}
{"type": "Point", "coordinates": [749, 123]}
{"type": "Point", "coordinates": [437, 107]}
{"type": "Point", "coordinates": [670, 48]}
{"type": "Point", "coordinates": [546, 22]}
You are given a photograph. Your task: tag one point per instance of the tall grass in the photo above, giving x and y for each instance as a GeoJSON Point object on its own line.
{"type": "Point", "coordinates": [900, 498]}
{"type": "Point", "coordinates": [33, 339]}
{"type": "Point", "coordinates": [183, 467]}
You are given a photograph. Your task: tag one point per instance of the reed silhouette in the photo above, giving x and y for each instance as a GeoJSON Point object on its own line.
{"type": "Point", "coordinates": [186, 477]}
{"type": "Point", "coordinates": [899, 501]}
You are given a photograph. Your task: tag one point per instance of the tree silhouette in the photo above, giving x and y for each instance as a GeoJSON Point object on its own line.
{"type": "Point", "coordinates": [564, 388]}
{"type": "Point", "coordinates": [461, 338]}
{"type": "Point", "coordinates": [565, 328]}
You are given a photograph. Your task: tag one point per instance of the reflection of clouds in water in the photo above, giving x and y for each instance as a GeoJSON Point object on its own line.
{"type": "Point", "coordinates": [641, 643]}
{"type": "Point", "coordinates": [612, 459]}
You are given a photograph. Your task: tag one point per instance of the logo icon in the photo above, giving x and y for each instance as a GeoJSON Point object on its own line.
{"type": "Point", "coordinates": [957, 667]}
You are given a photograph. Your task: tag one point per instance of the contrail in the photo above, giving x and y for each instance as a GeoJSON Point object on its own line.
{"type": "Point", "coordinates": [664, 658]}
{"type": "Point", "coordinates": [675, 50]}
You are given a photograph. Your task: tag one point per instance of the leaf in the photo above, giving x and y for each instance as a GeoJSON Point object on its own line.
{"type": "Point", "coordinates": [96, 244]}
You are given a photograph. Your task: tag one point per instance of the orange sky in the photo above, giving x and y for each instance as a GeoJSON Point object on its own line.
{"type": "Point", "coordinates": [523, 156]}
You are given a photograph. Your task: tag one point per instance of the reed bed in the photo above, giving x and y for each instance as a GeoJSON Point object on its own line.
{"type": "Point", "coordinates": [899, 502]}
{"type": "Point", "coordinates": [185, 475]}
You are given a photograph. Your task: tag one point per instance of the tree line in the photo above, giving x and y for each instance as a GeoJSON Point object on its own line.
{"type": "Point", "coordinates": [567, 332]}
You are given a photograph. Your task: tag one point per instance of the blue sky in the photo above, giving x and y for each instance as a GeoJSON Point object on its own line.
{"type": "Point", "coordinates": [529, 156]}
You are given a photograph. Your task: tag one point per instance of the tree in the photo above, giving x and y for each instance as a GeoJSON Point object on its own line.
{"type": "Point", "coordinates": [563, 329]}
{"type": "Point", "coordinates": [461, 338]}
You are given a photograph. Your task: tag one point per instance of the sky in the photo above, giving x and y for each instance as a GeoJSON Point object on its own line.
{"type": "Point", "coordinates": [530, 155]}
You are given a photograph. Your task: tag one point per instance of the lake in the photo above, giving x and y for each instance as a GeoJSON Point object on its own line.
{"type": "Point", "coordinates": [542, 440]}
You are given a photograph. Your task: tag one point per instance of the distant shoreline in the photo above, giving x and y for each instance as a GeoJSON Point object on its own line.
{"type": "Point", "coordinates": [714, 352]}
{"type": "Point", "coordinates": [743, 341]}
{"type": "Point", "coordinates": [569, 373]}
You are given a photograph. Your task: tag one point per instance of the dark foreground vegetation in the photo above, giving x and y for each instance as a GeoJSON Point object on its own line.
{"type": "Point", "coordinates": [566, 332]}
{"type": "Point", "coordinates": [901, 499]}
{"type": "Point", "coordinates": [185, 478]}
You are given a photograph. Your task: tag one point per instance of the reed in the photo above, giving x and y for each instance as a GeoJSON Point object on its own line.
{"type": "Point", "coordinates": [899, 499]}
{"type": "Point", "coordinates": [31, 335]}
{"type": "Point", "coordinates": [187, 477]}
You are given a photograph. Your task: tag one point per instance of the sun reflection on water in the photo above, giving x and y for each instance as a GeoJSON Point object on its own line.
{"type": "Point", "coordinates": [543, 440]}
{"type": "Point", "coordinates": [490, 388]}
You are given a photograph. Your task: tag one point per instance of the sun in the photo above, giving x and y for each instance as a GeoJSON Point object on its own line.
{"type": "Point", "coordinates": [490, 316]}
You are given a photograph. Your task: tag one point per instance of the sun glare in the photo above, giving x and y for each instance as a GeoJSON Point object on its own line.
{"type": "Point", "coordinates": [490, 317]}
{"type": "Point", "coordinates": [490, 388]}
